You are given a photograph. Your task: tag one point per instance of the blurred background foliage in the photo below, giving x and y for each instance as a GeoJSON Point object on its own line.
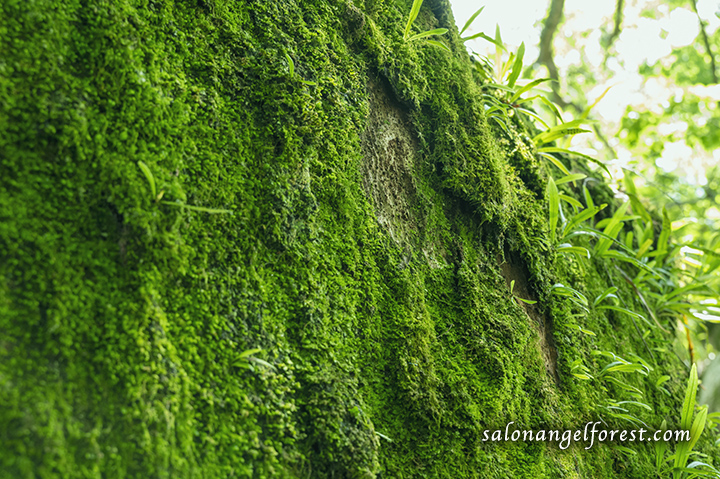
{"type": "Point", "coordinates": [649, 71]}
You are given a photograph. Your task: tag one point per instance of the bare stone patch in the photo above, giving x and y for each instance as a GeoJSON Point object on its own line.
{"type": "Point", "coordinates": [389, 145]}
{"type": "Point", "coordinates": [513, 268]}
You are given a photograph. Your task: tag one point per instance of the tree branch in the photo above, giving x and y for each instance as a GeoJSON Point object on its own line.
{"type": "Point", "coordinates": [555, 15]}
{"type": "Point", "coordinates": [618, 23]}
{"type": "Point", "coordinates": [706, 40]}
{"type": "Point", "coordinates": [607, 42]}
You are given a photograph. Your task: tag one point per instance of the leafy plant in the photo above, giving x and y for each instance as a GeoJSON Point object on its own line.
{"type": "Point", "coordinates": [414, 10]}
{"type": "Point", "coordinates": [666, 281]}
{"type": "Point", "coordinates": [151, 181]}
{"type": "Point", "coordinates": [527, 301]}
{"type": "Point", "coordinates": [157, 197]}
{"type": "Point", "coordinates": [478, 35]}
{"type": "Point", "coordinates": [554, 202]}
{"type": "Point", "coordinates": [680, 467]}
{"type": "Point", "coordinates": [247, 358]}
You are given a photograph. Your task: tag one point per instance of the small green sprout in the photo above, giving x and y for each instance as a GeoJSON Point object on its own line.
{"type": "Point", "coordinates": [411, 19]}
{"type": "Point", "coordinates": [527, 301]}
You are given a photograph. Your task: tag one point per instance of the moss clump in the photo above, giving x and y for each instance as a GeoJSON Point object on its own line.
{"type": "Point", "coordinates": [388, 343]}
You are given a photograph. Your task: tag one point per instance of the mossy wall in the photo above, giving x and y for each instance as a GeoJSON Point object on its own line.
{"type": "Point", "coordinates": [374, 223]}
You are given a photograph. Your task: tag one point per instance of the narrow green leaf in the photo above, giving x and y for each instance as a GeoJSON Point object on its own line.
{"type": "Point", "coordinates": [291, 65]}
{"type": "Point", "coordinates": [532, 115]}
{"type": "Point", "coordinates": [625, 450]}
{"type": "Point", "coordinates": [563, 290]}
{"type": "Point", "coordinates": [250, 352]}
{"type": "Point", "coordinates": [620, 367]}
{"type": "Point", "coordinates": [547, 137]}
{"type": "Point", "coordinates": [620, 309]}
{"type": "Point", "coordinates": [665, 233]}
{"type": "Point", "coordinates": [568, 248]}
{"type": "Point", "coordinates": [517, 66]}
{"type": "Point", "coordinates": [622, 384]}
{"type": "Point", "coordinates": [439, 45]}
{"type": "Point", "coordinates": [612, 229]}
{"type": "Point", "coordinates": [261, 362]}
{"type": "Point", "coordinates": [414, 10]}
{"type": "Point", "coordinates": [586, 331]}
{"type": "Point", "coordinates": [429, 33]}
{"type": "Point", "coordinates": [552, 149]}
{"type": "Point", "coordinates": [661, 380]}
{"type": "Point", "coordinates": [149, 177]}
{"type": "Point", "coordinates": [644, 248]}
{"type": "Point", "coordinates": [572, 201]}
{"type": "Point", "coordinates": [383, 436]}
{"type": "Point", "coordinates": [584, 215]}
{"type": "Point", "coordinates": [639, 208]}
{"type": "Point", "coordinates": [555, 162]}
{"type": "Point", "coordinates": [527, 87]}
{"type": "Point", "coordinates": [569, 178]}
{"type": "Point", "coordinates": [563, 126]}
{"type": "Point", "coordinates": [608, 293]}
{"type": "Point", "coordinates": [588, 197]}
{"type": "Point", "coordinates": [689, 402]}
{"type": "Point", "coordinates": [500, 87]}
{"type": "Point", "coordinates": [198, 208]}
{"type": "Point", "coordinates": [471, 19]}
{"type": "Point", "coordinates": [636, 403]}
{"type": "Point", "coordinates": [629, 240]}
{"type": "Point", "coordinates": [554, 203]}
{"type": "Point", "coordinates": [697, 427]}
{"type": "Point", "coordinates": [483, 36]}
{"type": "Point", "coordinates": [587, 110]}
{"type": "Point", "coordinates": [552, 107]}
{"type": "Point", "coordinates": [660, 447]}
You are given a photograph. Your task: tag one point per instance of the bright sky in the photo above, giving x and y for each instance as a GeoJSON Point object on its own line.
{"type": "Point", "coordinates": [642, 39]}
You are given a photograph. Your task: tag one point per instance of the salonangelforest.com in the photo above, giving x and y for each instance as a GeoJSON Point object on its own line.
{"type": "Point", "coordinates": [589, 435]}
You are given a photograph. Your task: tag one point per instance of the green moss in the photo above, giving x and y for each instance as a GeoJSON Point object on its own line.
{"type": "Point", "coordinates": [123, 319]}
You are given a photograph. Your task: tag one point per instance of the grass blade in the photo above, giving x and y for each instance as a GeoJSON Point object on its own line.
{"type": "Point", "coordinates": [555, 162]}
{"type": "Point", "coordinates": [547, 137]}
{"type": "Point", "coordinates": [569, 178]}
{"type": "Point", "coordinates": [517, 66]}
{"type": "Point", "coordinates": [484, 36]}
{"type": "Point", "coordinates": [291, 65]}
{"type": "Point", "coordinates": [608, 293]}
{"type": "Point", "coordinates": [413, 15]}
{"type": "Point", "coordinates": [533, 115]}
{"type": "Point", "coordinates": [572, 201]}
{"type": "Point", "coordinates": [611, 230]}
{"type": "Point", "coordinates": [439, 45]}
{"type": "Point", "coordinates": [664, 234]}
{"type": "Point", "coordinates": [689, 402]}
{"type": "Point", "coordinates": [429, 33]}
{"type": "Point", "coordinates": [568, 248]}
{"type": "Point", "coordinates": [198, 208]}
{"type": "Point", "coordinates": [471, 19]}
{"type": "Point", "coordinates": [587, 110]}
{"type": "Point", "coordinates": [527, 87]}
{"type": "Point", "coordinates": [149, 177]}
{"type": "Point", "coordinates": [554, 202]}
{"type": "Point", "coordinates": [585, 214]}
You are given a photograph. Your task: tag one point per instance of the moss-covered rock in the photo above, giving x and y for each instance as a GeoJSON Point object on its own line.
{"type": "Point", "coordinates": [316, 189]}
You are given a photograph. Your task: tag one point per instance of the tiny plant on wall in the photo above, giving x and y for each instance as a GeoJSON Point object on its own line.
{"type": "Point", "coordinates": [157, 197]}
{"type": "Point", "coordinates": [526, 301]}
{"type": "Point", "coordinates": [429, 33]}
